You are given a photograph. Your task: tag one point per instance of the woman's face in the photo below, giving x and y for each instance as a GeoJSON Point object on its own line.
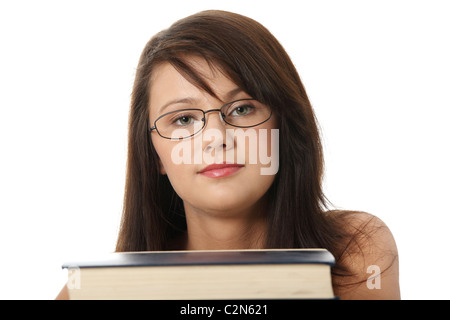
{"type": "Point", "coordinates": [221, 191]}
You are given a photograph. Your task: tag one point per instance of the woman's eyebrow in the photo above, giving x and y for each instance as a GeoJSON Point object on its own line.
{"type": "Point", "coordinates": [182, 100]}
{"type": "Point", "coordinates": [230, 95]}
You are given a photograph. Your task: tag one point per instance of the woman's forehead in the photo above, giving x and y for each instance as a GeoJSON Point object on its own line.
{"type": "Point", "coordinates": [169, 85]}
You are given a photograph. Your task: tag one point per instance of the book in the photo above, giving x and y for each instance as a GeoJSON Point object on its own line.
{"type": "Point", "coordinates": [204, 275]}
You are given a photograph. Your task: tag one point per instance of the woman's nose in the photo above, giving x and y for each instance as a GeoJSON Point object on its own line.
{"type": "Point", "coordinates": [210, 116]}
{"type": "Point", "coordinates": [214, 134]}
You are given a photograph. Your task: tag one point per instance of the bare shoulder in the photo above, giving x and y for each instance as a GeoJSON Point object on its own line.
{"type": "Point", "coordinates": [370, 258]}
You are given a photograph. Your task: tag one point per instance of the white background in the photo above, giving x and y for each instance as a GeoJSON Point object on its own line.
{"type": "Point", "coordinates": [377, 73]}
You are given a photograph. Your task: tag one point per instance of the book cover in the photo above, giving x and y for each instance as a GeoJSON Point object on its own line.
{"type": "Point", "coordinates": [207, 257]}
{"type": "Point", "coordinates": [204, 275]}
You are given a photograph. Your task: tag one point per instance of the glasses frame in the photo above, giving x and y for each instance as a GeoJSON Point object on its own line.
{"type": "Point", "coordinates": [222, 115]}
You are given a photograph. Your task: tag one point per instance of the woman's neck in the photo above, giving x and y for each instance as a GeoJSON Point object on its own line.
{"type": "Point", "coordinates": [245, 229]}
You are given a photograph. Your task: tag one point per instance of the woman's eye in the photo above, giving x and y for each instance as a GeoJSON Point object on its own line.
{"type": "Point", "coordinates": [184, 120]}
{"type": "Point", "coordinates": [241, 110]}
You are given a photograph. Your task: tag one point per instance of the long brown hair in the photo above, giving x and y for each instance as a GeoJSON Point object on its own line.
{"type": "Point", "coordinates": [252, 58]}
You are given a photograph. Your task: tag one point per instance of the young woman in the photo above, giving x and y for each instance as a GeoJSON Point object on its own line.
{"type": "Point", "coordinates": [192, 184]}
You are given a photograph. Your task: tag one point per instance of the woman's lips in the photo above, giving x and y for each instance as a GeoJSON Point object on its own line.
{"type": "Point", "coordinates": [220, 170]}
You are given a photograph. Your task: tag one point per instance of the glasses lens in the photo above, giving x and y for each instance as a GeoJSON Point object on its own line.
{"type": "Point", "coordinates": [180, 124]}
{"type": "Point", "coordinates": [246, 113]}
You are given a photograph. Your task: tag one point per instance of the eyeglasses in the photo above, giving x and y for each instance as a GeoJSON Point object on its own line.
{"type": "Point", "coordinates": [185, 123]}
